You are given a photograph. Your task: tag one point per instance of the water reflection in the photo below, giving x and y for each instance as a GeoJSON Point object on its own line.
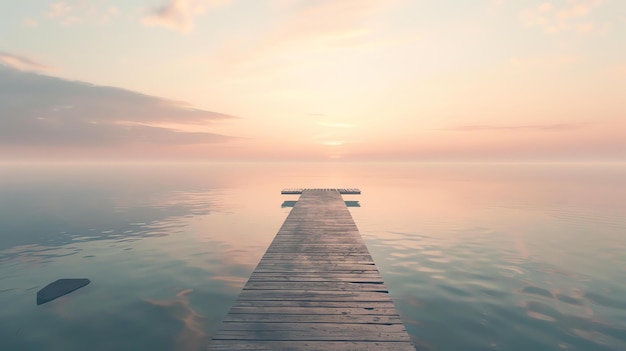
{"type": "Point", "coordinates": [477, 257]}
{"type": "Point", "coordinates": [192, 335]}
{"type": "Point", "coordinates": [86, 205]}
{"type": "Point", "coordinates": [139, 234]}
{"type": "Point", "coordinates": [292, 203]}
{"type": "Point", "coordinates": [289, 203]}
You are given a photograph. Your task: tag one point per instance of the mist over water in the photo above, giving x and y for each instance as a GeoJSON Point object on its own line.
{"type": "Point", "coordinates": [476, 256]}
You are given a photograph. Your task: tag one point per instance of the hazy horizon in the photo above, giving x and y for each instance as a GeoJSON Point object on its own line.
{"type": "Point", "coordinates": [122, 162]}
{"type": "Point", "coordinates": [285, 80]}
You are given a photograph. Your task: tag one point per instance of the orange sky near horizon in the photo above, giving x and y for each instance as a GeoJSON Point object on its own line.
{"type": "Point", "coordinates": [350, 80]}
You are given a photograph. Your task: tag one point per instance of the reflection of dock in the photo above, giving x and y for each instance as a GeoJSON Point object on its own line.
{"type": "Point", "coordinates": [291, 203]}
{"type": "Point", "coordinates": [341, 191]}
{"type": "Point", "coordinates": [316, 288]}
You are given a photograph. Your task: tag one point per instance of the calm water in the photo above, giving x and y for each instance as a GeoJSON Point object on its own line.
{"type": "Point", "coordinates": [476, 257]}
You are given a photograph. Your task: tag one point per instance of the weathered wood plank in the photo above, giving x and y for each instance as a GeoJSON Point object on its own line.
{"type": "Point", "coordinates": [355, 278]}
{"type": "Point", "coordinates": [312, 328]}
{"type": "Point", "coordinates": [305, 295]}
{"type": "Point", "coordinates": [324, 261]}
{"type": "Point", "coordinates": [285, 269]}
{"type": "Point", "coordinates": [366, 305]}
{"type": "Point", "coordinates": [316, 288]}
{"type": "Point", "coordinates": [319, 259]}
{"type": "Point", "coordinates": [319, 266]}
{"type": "Point", "coordinates": [296, 191]}
{"type": "Point", "coordinates": [386, 310]}
{"type": "Point", "coordinates": [333, 334]}
{"type": "Point", "coordinates": [278, 345]}
{"type": "Point", "coordinates": [317, 317]}
{"type": "Point", "coordinates": [339, 276]}
{"type": "Point", "coordinates": [299, 255]}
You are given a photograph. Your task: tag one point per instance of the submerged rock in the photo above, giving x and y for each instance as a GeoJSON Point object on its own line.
{"type": "Point", "coordinates": [59, 288]}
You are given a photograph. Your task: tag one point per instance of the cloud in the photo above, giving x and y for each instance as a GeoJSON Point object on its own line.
{"type": "Point", "coordinates": [307, 29]}
{"type": "Point", "coordinates": [58, 9]}
{"type": "Point", "coordinates": [70, 12]}
{"type": "Point", "coordinates": [63, 12]}
{"type": "Point", "coordinates": [571, 17]}
{"type": "Point", "coordinates": [544, 127]}
{"type": "Point", "coordinates": [325, 24]}
{"type": "Point", "coordinates": [179, 15]}
{"type": "Point", "coordinates": [41, 111]}
{"type": "Point", "coordinates": [22, 63]}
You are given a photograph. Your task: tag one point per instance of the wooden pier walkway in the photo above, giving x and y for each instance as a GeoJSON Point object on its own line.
{"type": "Point", "coordinates": [316, 288]}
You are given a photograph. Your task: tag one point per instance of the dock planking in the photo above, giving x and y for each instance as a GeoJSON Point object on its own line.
{"type": "Point", "coordinates": [298, 191]}
{"type": "Point", "coordinates": [316, 287]}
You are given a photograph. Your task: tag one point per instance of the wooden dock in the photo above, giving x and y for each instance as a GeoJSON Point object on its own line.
{"type": "Point", "coordinates": [298, 191]}
{"type": "Point", "coordinates": [316, 288]}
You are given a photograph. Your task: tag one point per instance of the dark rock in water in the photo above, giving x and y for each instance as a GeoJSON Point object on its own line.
{"type": "Point", "coordinates": [59, 288]}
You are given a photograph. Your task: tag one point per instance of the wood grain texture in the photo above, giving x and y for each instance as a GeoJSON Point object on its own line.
{"type": "Point", "coordinates": [316, 288]}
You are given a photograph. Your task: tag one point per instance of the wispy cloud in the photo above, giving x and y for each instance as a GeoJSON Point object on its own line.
{"type": "Point", "coordinates": [306, 29]}
{"type": "Point", "coordinates": [180, 15]}
{"type": "Point", "coordinates": [72, 12]}
{"type": "Point", "coordinates": [23, 63]}
{"type": "Point", "coordinates": [59, 9]}
{"type": "Point", "coordinates": [573, 16]}
{"type": "Point", "coordinates": [541, 127]}
{"type": "Point", "coordinates": [63, 12]}
{"type": "Point", "coordinates": [42, 111]}
{"type": "Point", "coordinates": [325, 24]}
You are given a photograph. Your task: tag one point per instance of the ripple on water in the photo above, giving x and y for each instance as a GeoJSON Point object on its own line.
{"type": "Point", "coordinates": [494, 293]}
{"type": "Point", "coordinates": [600, 338]}
{"type": "Point", "coordinates": [425, 269]}
{"type": "Point", "coordinates": [510, 270]}
{"type": "Point", "coordinates": [568, 299]}
{"type": "Point", "coordinates": [606, 301]}
{"type": "Point", "coordinates": [471, 285]}
{"type": "Point", "coordinates": [533, 290]}
{"type": "Point", "coordinates": [540, 310]}
{"type": "Point", "coordinates": [439, 259]}
{"type": "Point", "coordinates": [458, 292]}
{"type": "Point", "coordinates": [431, 252]}
{"type": "Point", "coordinates": [401, 255]}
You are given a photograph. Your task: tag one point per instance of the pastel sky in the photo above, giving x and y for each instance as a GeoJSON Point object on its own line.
{"type": "Point", "coordinates": [398, 80]}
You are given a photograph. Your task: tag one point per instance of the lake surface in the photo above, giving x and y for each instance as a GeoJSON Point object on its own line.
{"type": "Point", "coordinates": [512, 257]}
